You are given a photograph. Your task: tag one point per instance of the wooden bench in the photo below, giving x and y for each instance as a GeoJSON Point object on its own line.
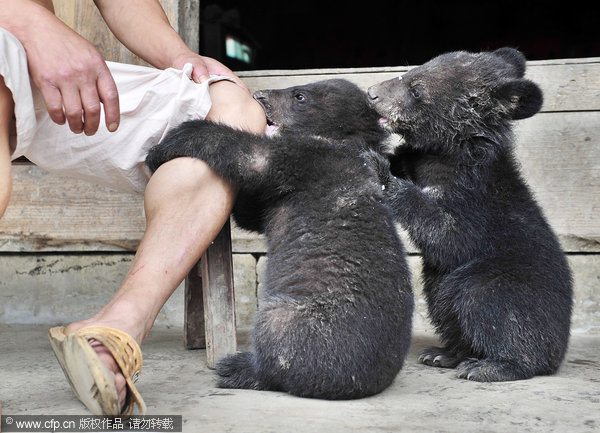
{"type": "Point", "coordinates": [559, 150]}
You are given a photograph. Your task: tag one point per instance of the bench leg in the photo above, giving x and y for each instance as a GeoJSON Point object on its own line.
{"type": "Point", "coordinates": [215, 275]}
{"type": "Point", "coordinates": [193, 330]}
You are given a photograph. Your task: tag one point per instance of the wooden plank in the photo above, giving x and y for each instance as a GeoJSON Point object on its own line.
{"type": "Point", "coordinates": [378, 69]}
{"type": "Point", "coordinates": [188, 24]}
{"type": "Point", "coordinates": [219, 301]}
{"type": "Point", "coordinates": [560, 157]}
{"type": "Point", "coordinates": [568, 85]}
{"type": "Point", "coordinates": [48, 212]}
{"type": "Point", "coordinates": [194, 332]}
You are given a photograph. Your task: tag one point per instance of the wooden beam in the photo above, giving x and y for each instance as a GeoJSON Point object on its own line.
{"type": "Point", "coordinates": [48, 212]}
{"type": "Point", "coordinates": [219, 305]}
{"type": "Point", "coordinates": [194, 332]}
{"type": "Point", "coordinates": [568, 84]}
{"type": "Point", "coordinates": [188, 25]}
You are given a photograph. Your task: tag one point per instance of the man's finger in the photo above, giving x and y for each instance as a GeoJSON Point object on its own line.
{"type": "Point", "coordinates": [54, 104]}
{"type": "Point", "coordinates": [217, 68]}
{"type": "Point", "coordinates": [109, 96]}
{"type": "Point", "coordinates": [200, 72]}
{"type": "Point", "coordinates": [73, 108]}
{"type": "Point", "coordinates": [91, 109]}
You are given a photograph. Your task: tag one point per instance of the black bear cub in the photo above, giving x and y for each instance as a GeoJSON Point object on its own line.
{"type": "Point", "coordinates": [335, 319]}
{"type": "Point", "coordinates": [496, 281]}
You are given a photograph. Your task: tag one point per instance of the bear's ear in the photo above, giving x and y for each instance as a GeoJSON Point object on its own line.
{"type": "Point", "coordinates": [514, 58]}
{"type": "Point", "coordinates": [521, 98]}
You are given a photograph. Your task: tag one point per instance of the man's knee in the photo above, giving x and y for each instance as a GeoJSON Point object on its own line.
{"type": "Point", "coordinates": [233, 106]}
{"type": "Point", "coordinates": [183, 179]}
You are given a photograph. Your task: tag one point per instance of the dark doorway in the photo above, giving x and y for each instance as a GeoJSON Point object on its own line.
{"type": "Point", "coordinates": [322, 34]}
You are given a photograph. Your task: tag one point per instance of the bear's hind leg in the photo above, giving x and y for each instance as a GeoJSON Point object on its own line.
{"type": "Point", "coordinates": [441, 294]}
{"type": "Point", "coordinates": [237, 371]}
{"type": "Point", "coordinates": [489, 370]}
{"type": "Point", "coordinates": [510, 315]}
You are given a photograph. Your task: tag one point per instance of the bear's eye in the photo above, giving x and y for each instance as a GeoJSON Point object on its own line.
{"type": "Point", "coordinates": [300, 97]}
{"type": "Point", "coordinates": [416, 92]}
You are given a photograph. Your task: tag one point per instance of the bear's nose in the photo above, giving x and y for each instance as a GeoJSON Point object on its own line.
{"type": "Point", "coordinates": [371, 93]}
{"type": "Point", "coordinates": [259, 95]}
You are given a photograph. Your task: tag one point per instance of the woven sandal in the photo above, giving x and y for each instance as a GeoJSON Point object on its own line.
{"type": "Point", "coordinates": [90, 380]}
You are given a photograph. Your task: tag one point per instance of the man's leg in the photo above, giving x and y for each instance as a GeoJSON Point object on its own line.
{"type": "Point", "coordinates": [6, 125]}
{"type": "Point", "coordinates": [186, 205]}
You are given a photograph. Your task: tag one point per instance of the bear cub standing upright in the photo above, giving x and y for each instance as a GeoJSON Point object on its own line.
{"type": "Point", "coordinates": [335, 319]}
{"type": "Point", "coordinates": [497, 284]}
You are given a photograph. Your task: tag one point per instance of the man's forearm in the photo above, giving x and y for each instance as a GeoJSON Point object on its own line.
{"type": "Point", "coordinates": [143, 27]}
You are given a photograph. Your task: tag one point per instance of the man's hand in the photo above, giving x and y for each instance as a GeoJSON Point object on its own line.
{"type": "Point", "coordinates": [204, 67]}
{"type": "Point", "coordinates": [72, 76]}
{"type": "Point", "coordinates": [67, 69]}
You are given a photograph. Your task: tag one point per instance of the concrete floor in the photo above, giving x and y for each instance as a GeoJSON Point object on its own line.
{"type": "Point", "coordinates": [422, 399]}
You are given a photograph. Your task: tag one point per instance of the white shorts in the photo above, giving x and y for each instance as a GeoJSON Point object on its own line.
{"type": "Point", "coordinates": [152, 101]}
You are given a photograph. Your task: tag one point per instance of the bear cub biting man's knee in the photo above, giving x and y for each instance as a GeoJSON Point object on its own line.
{"type": "Point", "coordinates": [496, 281]}
{"type": "Point", "coordinates": [335, 318]}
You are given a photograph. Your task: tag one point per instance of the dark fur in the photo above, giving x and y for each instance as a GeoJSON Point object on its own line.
{"type": "Point", "coordinates": [497, 283]}
{"type": "Point", "coordinates": [335, 319]}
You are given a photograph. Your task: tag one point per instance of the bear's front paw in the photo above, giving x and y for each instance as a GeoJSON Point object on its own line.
{"type": "Point", "coordinates": [439, 357]}
{"type": "Point", "coordinates": [157, 156]}
{"type": "Point", "coordinates": [187, 139]}
{"type": "Point", "coordinates": [379, 164]}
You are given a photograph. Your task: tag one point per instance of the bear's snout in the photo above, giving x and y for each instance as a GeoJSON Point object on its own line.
{"type": "Point", "coordinates": [260, 95]}
{"type": "Point", "coordinates": [372, 92]}
{"type": "Point", "coordinates": [388, 89]}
